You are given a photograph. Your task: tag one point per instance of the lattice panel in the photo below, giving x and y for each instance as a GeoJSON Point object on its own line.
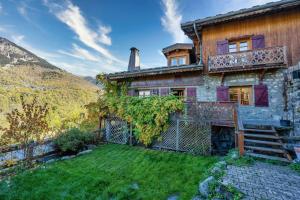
{"type": "Point", "coordinates": [194, 137]}
{"type": "Point", "coordinates": [188, 136]}
{"type": "Point", "coordinates": [116, 130]}
{"type": "Point", "coordinates": [273, 55]}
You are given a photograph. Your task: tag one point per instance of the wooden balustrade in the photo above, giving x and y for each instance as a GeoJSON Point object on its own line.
{"type": "Point", "coordinates": [272, 57]}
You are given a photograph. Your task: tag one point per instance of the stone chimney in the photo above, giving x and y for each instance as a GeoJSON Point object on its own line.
{"type": "Point", "coordinates": [134, 60]}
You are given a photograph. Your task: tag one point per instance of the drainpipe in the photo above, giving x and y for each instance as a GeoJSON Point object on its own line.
{"type": "Point", "coordinates": [200, 45]}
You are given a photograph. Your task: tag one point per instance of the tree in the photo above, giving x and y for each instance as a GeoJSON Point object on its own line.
{"type": "Point", "coordinates": [26, 126]}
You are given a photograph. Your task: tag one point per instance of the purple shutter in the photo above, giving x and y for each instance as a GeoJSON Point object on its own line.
{"type": "Point", "coordinates": [154, 92]}
{"type": "Point", "coordinates": [261, 95]}
{"type": "Point", "coordinates": [222, 47]}
{"type": "Point", "coordinates": [258, 42]}
{"type": "Point", "coordinates": [222, 93]}
{"type": "Point", "coordinates": [164, 91]}
{"type": "Point", "coordinates": [191, 94]}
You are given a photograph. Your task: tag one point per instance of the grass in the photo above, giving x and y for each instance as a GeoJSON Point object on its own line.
{"type": "Point", "coordinates": [112, 172]}
{"type": "Point", "coordinates": [295, 167]}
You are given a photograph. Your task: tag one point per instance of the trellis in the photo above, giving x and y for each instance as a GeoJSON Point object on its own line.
{"type": "Point", "coordinates": [183, 135]}
{"type": "Point", "coordinates": [187, 136]}
{"type": "Point", "coordinates": [117, 130]}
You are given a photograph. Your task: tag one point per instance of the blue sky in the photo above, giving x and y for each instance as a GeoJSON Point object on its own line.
{"type": "Point", "coordinates": [86, 37]}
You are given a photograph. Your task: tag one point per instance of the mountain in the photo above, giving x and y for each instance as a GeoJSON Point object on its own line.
{"type": "Point", "coordinates": [90, 79]}
{"type": "Point", "coordinates": [23, 73]}
{"type": "Point", "coordinates": [14, 55]}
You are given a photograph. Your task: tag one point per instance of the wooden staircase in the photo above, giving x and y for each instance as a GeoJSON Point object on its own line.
{"type": "Point", "coordinates": [264, 142]}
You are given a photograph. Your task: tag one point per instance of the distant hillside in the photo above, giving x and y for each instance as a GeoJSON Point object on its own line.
{"type": "Point", "coordinates": [22, 72]}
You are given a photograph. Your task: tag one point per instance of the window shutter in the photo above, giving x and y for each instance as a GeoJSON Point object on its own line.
{"type": "Point", "coordinates": [191, 94]}
{"type": "Point", "coordinates": [154, 92]}
{"type": "Point", "coordinates": [258, 42]}
{"type": "Point", "coordinates": [222, 93]}
{"type": "Point", "coordinates": [261, 95]}
{"type": "Point", "coordinates": [164, 91]}
{"type": "Point", "coordinates": [222, 47]}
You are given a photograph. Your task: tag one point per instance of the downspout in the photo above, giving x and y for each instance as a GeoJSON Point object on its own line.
{"type": "Point", "coordinates": [200, 45]}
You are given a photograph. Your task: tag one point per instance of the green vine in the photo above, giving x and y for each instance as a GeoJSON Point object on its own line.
{"type": "Point", "coordinates": [149, 116]}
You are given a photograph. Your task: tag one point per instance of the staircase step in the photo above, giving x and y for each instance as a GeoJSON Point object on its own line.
{"type": "Point", "coordinates": [267, 157]}
{"type": "Point", "coordinates": [262, 142]}
{"type": "Point", "coordinates": [261, 136]}
{"type": "Point", "coordinates": [265, 149]}
{"type": "Point", "coordinates": [260, 130]}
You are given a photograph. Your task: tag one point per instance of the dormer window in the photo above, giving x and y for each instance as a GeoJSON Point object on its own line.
{"type": "Point", "coordinates": [173, 61]}
{"type": "Point", "coordinates": [181, 60]}
{"type": "Point", "coordinates": [176, 61]}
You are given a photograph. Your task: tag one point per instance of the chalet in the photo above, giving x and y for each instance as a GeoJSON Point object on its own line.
{"type": "Point", "coordinates": [249, 57]}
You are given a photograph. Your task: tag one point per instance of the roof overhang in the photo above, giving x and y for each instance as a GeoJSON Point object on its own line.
{"type": "Point", "coordinates": [154, 72]}
{"type": "Point", "coordinates": [272, 7]}
{"type": "Point", "coordinates": [177, 46]}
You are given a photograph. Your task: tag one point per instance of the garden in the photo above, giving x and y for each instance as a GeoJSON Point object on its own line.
{"type": "Point", "coordinates": [112, 172]}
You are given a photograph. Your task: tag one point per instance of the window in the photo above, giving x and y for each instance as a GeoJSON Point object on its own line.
{"type": "Point", "coordinates": [144, 93]}
{"type": "Point", "coordinates": [181, 61]}
{"type": "Point", "coordinates": [244, 46]}
{"type": "Point", "coordinates": [173, 61]}
{"type": "Point", "coordinates": [239, 46]}
{"type": "Point", "coordinates": [241, 95]}
{"type": "Point", "coordinates": [178, 61]}
{"type": "Point", "coordinates": [178, 92]}
{"type": "Point", "coordinates": [232, 47]}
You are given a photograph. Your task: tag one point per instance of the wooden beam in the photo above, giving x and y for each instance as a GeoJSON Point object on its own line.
{"type": "Point", "coordinates": [222, 78]}
{"type": "Point", "coordinates": [262, 75]}
{"type": "Point", "coordinates": [241, 142]}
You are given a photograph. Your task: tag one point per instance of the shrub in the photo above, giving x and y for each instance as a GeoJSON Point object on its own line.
{"type": "Point", "coordinates": [73, 140]}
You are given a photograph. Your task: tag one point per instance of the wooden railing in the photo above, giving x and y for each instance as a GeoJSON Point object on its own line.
{"type": "Point", "coordinates": [218, 113]}
{"type": "Point", "coordinates": [252, 59]}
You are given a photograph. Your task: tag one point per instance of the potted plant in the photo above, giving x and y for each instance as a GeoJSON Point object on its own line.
{"type": "Point", "coordinates": [284, 121]}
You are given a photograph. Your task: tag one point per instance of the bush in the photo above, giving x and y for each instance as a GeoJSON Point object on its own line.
{"type": "Point", "coordinates": [73, 140]}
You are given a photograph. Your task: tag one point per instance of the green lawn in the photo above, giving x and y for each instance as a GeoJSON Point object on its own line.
{"type": "Point", "coordinates": [112, 172]}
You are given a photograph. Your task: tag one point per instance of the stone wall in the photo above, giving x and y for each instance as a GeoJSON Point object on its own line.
{"type": "Point", "coordinates": [294, 100]}
{"type": "Point", "coordinates": [274, 80]}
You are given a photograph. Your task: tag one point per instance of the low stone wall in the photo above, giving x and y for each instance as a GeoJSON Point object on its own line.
{"type": "Point", "coordinates": [18, 154]}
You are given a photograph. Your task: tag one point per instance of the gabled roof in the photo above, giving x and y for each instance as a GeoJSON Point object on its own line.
{"type": "Point", "coordinates": [154, 71]}
{"type": "Point", "coordinates": [176, 46]}
{"type": "Point", "coordinates": [241, 14]}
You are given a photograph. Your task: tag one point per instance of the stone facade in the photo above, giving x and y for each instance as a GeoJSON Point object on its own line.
{"type": "Point", "coordinates": [294, 100]}
{"type": "Point", "coordinates": [274, 80]}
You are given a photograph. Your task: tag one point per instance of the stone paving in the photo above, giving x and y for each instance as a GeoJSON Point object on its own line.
{"type": "Point", "coordinates": [264, 181]}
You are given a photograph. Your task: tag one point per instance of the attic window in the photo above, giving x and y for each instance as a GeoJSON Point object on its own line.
{"type": "Point", "coordinates": [181, 61]}
{"type": "Point", "coordinates": [178, 61]}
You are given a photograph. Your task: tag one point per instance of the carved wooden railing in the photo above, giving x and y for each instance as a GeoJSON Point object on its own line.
{"type": "Point", "coordinates": [259, 58]}
{"type": "Point", "coordinates": [219, 113]}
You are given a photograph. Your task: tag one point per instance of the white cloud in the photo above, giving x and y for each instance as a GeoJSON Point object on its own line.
{"type": "Point", "coordinates": [22, 10]}
{"type": "Point", "coordinates": [80, 53]}
{"type": "Point", "coordinates": [103, 35]}
{"type": "Point", "coordinates": [71, 15]}
{"type": "Point", "coordinates": [18, 38]}
{"type": "Point", "coordinates": [172, 19]}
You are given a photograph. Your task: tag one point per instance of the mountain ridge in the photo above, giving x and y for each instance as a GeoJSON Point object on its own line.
{"type": "Point", "coordinates": [24, 73]}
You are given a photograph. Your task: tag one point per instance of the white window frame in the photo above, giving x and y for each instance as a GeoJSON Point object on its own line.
{"type": "Point", "coordinates": [181, 58]}
{"type": "Point", "coordinates": [144, 93]}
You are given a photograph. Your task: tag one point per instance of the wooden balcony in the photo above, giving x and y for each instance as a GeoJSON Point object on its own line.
{"type": "Point", "coordinates": [273, 57]}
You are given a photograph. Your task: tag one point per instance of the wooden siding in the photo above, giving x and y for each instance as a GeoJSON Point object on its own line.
{"type": "Point", "coordinates": [183, 79]}
{"type": "Point", "coordinates": [279, 29]}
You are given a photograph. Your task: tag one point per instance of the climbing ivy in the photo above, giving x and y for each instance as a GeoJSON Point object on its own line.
{"type": "Point", "coordinates": [149, 116]}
